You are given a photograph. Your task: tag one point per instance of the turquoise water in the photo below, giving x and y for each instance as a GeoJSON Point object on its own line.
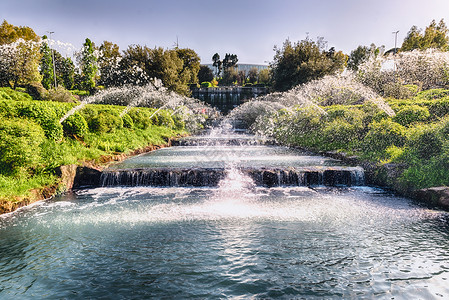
{"type": "Point", "coordinates": [255, 156]}
{"type": "Point", "coordinates": [134, 243]}
{"type": "Point", "coordinates": [236, 240]}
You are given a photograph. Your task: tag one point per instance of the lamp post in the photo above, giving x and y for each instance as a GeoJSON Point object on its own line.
{"type": "Point", "coordinates": [53, 59]}
{"type": "Point", "coordinates": [395, 40]}
{"type": "Point", "coordinates": [394, 52]}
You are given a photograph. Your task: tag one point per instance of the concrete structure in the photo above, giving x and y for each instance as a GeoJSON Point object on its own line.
{"type": "Point", "coordinates": [225, 98]}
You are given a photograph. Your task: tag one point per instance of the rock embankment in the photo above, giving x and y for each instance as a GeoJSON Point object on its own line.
{"type": "Point", "coordinates": [387, 175]}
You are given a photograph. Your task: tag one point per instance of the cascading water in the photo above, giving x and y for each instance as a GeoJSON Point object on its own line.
{"type": "Point", "coordinates": [237, 238]}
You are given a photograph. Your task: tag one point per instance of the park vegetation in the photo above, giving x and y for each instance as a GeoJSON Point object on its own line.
{"type": "Point", "coordinates": [38, 87]}
{"type": "Point", "coordinates": [26, 60]}
{"type": "Point", "coordinates": [34, 143]}
{"type": "Point", "coordinates": [398, 114]}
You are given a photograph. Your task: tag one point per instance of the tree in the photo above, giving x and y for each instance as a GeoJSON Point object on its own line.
{"type": "Point", "coordinates": [19, 55]}
{"type": "Point", "coordinates": [230, 76]}
{"type": "Point", "coordinates": [412, 40]}
{"type": "Point", "coordinates": [10, 33]}
{"type": "Point", "coordinates": [167, 66]}
{"type": "Point", "coordinates": [134, 65]}
{"type": "Point", "coordinates": [46, 65]}
{"type": "Point", "coordinates": [252, 75]}
{"type": "Point", "coordinates": [190, 66]}
{"type": "Point", "coordinates": [87, 59]}
{"type": "Point", "coordinates": [66, 72]}
{"type": "Point", "coordinates": [109, 64]}
{"type": "Point", "coordinates": [362, 54]}
{"type": "Point", "coordinates": [230, 73]}
{"type": "Point", "coordinates": [230, 61]}
{"type": "Point", "coordinates": [205, 74]}
{"type": "Point", "coordinates": [357, 56]}
{"type": "Point", "coordinates": [140, 64]}
{"type": "Point", "coordinates": [302, 62]}
{"type": "Point", "coordinates": [435, 36]}
{"type": "Point", "coordinates": [264, 76]}
{"type": "Point", "coordinates": [19, 63]}
{"type": "Point", "coordinates": [217, 63]}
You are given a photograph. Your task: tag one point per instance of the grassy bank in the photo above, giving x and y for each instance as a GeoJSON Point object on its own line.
{"type": "Point", "coordinates": [33, 143]}
{"type": "Point", "coordinates": [417, 137]}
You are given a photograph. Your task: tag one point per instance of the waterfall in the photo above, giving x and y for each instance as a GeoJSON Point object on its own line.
{"type": "Point", "coordinates": [313, 176]}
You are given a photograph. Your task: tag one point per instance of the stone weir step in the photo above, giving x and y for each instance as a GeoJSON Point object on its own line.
{"type": "Point", "coordinates": [311, 176]}
{"type": "Point", "coordinates": [222, 142]}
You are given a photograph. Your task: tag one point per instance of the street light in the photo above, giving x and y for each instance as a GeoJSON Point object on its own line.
{"type": "Point", "coordinates": [394, 52]}
{"type": "Point", "coordinates": [53, 59]}
{"type": "Point", "coordinates": [395, 40]}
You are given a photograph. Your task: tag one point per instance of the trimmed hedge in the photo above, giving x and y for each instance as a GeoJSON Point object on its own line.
{"type": "Point", "coordinates": [19, 144]}
{"type": "Point", "coordinates": [412, 114]}
{"type": "Point", "coordinates": [75, 125]}
{"type": "Point", "coordinates": [44, 116]}
{"type": "Point", "coordinates": [7, 93]}
{"type": "Point", "coordinates": [141, 118]}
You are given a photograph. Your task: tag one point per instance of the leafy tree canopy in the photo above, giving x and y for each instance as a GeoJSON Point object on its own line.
{"type": "Point", "coordinates": [10, 33]}
{"type": "Point", "coordinates": [217, 63]}
{"type": "Point", "coordinates": [205, 74]}
{"type": "Point", "coordinates": [176, 68]}
{"type": "Point", "coordinates": [191, 64]}
{"type": "Point", "coordinates": [108, 64]}
{"type": "Point", "coordinates": [361, 54]}
{"type": "Point", "coordinates": [87, 60]}
{"type": "Point", "coordinates": [230, 61]}
{"type": "Point", "coordinates": [304, 61]}
{"type": "Point", "coordinates": [434, 36]}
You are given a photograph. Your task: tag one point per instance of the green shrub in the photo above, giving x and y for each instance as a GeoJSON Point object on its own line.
{"type": "Point", "coordinates": [413, 88]}
{"type": "Point", "coordinates": [7, 109]}
{"type": "Point", "coordinates": [432, 172]}
{"type": "Point", "coordinates": [206, 84]}
{"type": "Point", "coordinates": [89, 112]}
{"type": "Point", "coordinates": [411, 114]}
{"type": "Point", "coordinates": [399, 91]}
{"type": "Point", "coordinates": [426, 142]}
{"type": "Point", "coordinates": [340, 134]}
{"type": "Point", "coordinates": [178, 122]}
{"type": "Point", "coordinates": [303, 126]}
{"type": "Point", "coordinates": [36, 90]}
{"type": "Point", "coordinates": [4, 95]}
{"type": "Point", "coordinates": [127, 121]}
{"type": "Point", "coordinates": [432, 94]}
{"type": "Point", "coordinates": [350, 114]}
{"type": "Point", "coordinates": [444, 127]}
{"type": "Point", "coordinates": [384, 134]}
{"type": "Point", "coordinates": [7, 93]}
{"type": "Point", "coordinates": [44, 115]}
{"type": "Point", "coordinates": [79, 92]}
{"type": "Point", "coordinates": [75, 125]}
{"type": "Point", "coordinates": [19, 144]}
{"type": "Point", "coordinates": [141, 118]}
{"type": "Point", "coordinates": [59, 94]}
{"type": "Point", "coordinates": [105, 122]}
{"type": "Point", "coordinates": [165, 119]}
{"type": "Point", "coordinates": [439, 108]}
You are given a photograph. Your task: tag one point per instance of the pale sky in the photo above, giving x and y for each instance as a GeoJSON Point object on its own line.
{"type": "Point", "coordinates": [248, 28]}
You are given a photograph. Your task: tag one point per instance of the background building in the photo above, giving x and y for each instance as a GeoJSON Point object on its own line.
{"type": "Point", "coordinates": [240, 67]}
